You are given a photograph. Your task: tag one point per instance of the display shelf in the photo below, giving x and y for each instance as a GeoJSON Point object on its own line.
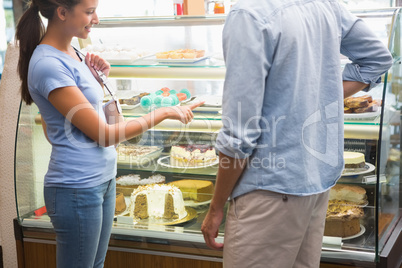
{"type": "Point", "coordinates": [180, 21]}
{"type": "Point", "coordinates": [169, 72]}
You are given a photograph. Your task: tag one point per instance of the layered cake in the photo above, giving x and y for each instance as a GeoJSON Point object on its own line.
{"type": "Point", "coordinates": [137, 154]}
{"type": "Point", "coordinates": [120, 203]}
{"type": "Point", "coordinates": [354, 160]}
{"type": "Point", "coordinates": [196, 190]}
{"type": "Point", "coordinates": [192, 155]}
{"type": "Point", "coordinates": [157, 201]}
{"type": "Point", "coordinates": [344, 210]}
{"type": "Point", "coordinates": [350, 194]}
{"type": "Point", "coordinates": [128, 183]}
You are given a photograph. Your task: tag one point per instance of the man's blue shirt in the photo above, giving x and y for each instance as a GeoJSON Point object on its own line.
{"type": "Point", "coordinates": [283, 95]}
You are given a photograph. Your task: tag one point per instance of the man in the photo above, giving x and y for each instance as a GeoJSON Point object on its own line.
{"type": "Point", "coordinates": [281, 144]}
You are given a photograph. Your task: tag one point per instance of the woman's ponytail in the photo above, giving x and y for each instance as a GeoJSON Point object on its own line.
{"type": "Point", "coordinates": [29, 33]}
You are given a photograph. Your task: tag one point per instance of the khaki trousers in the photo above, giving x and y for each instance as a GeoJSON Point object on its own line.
{"type": "Point", "coordinates": [267, 229]}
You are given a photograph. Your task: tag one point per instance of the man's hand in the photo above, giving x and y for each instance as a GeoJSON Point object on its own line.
{"type": "Point", "coordinates": [210, 228]}
{"type": "Point", "coordinates": [229, 172]}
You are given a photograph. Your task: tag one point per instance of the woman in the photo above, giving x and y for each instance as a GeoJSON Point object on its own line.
{"type": "Point", "coordinates": [80, 182]}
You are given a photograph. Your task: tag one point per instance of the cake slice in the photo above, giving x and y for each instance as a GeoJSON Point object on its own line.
{"type": "Point", "coordinates": [120, 203]}
{"type": "Point", "coordinates": [141, 207]}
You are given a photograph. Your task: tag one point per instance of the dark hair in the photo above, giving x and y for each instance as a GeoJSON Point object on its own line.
{"type": "Point", "coordinates": [29, 33]}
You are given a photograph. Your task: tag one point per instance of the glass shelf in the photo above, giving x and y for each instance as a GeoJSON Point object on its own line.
{"type": "Point", "coordinates": [113, 22]}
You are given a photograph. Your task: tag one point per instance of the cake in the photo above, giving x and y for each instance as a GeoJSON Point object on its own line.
{"type": "Point", "coordinates": [342, 220]}
{"type": "Point", "coordinates": [157, 201]}
{"type": "Point", "coordinates": [127, 183]}
{"type": "Point", "coordinates": [354, 160]}
{"type": "Point", "coordinates": [350, 194]}
{"type": "Point", "coordinates": [134, 154]}
{"type": "Point", "coordinates": [344, 210]}
{"type": "Point", "coordinates": [192, 155]}
{"type": "Point", "coordinates": [120, 203]}
{"type": "Point", "coordinates": [196, 190]}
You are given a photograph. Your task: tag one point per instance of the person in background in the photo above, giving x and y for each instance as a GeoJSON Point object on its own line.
{"type": "Point", "coordinates": [281, 144]}
{"type": "Point", "coordinates": [79, 186]}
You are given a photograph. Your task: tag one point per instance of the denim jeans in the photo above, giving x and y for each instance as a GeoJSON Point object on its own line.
{"type": "Point", "coordinates": [82, 219]}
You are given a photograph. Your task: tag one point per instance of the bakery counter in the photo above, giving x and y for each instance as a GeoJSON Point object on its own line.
{"type": "Point", "coordinates": [186, 238]}
{"type": "Point", "coordinates": [38, 248]}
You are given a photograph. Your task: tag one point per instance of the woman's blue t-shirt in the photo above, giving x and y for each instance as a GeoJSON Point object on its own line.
{"type": "Point", "coordinates": [76, 160]}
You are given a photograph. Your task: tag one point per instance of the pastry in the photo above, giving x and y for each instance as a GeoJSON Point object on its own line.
{"type": "Point", "coordinates": [189, 55]}
{"type": "Point", "coordinates": [200, 53]}
{"type": "Point", "coordinates": [162, 55]}
{"type": "Point", "coordinates": [180, 54]}
{"type": "Point", "coordinates": [362, 104]}
{"type": "Point", "coordinates": [372, 107]}
{"type": "Point", "coordinates": [356, 102]}
{"type": "Point", "coordinates": [347, 110]}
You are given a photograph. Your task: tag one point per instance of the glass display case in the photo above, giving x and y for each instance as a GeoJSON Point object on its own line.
{"type": "Point", "coordinates": [132, 46]}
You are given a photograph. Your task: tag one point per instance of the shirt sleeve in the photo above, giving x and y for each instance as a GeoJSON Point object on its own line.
{"type": "Point", "coordinates": [49, 74]}
{"type": "Point", "coordinates": [369, 63]}
{"type": "Point", "coordinates": [245, 49]}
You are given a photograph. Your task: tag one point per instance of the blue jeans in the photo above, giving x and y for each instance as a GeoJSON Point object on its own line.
{"type": "Point", "coordinates": [82, 219]}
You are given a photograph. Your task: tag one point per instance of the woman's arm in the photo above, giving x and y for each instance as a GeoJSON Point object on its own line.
{"type": "Point", "coordinates": [73, 105]}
